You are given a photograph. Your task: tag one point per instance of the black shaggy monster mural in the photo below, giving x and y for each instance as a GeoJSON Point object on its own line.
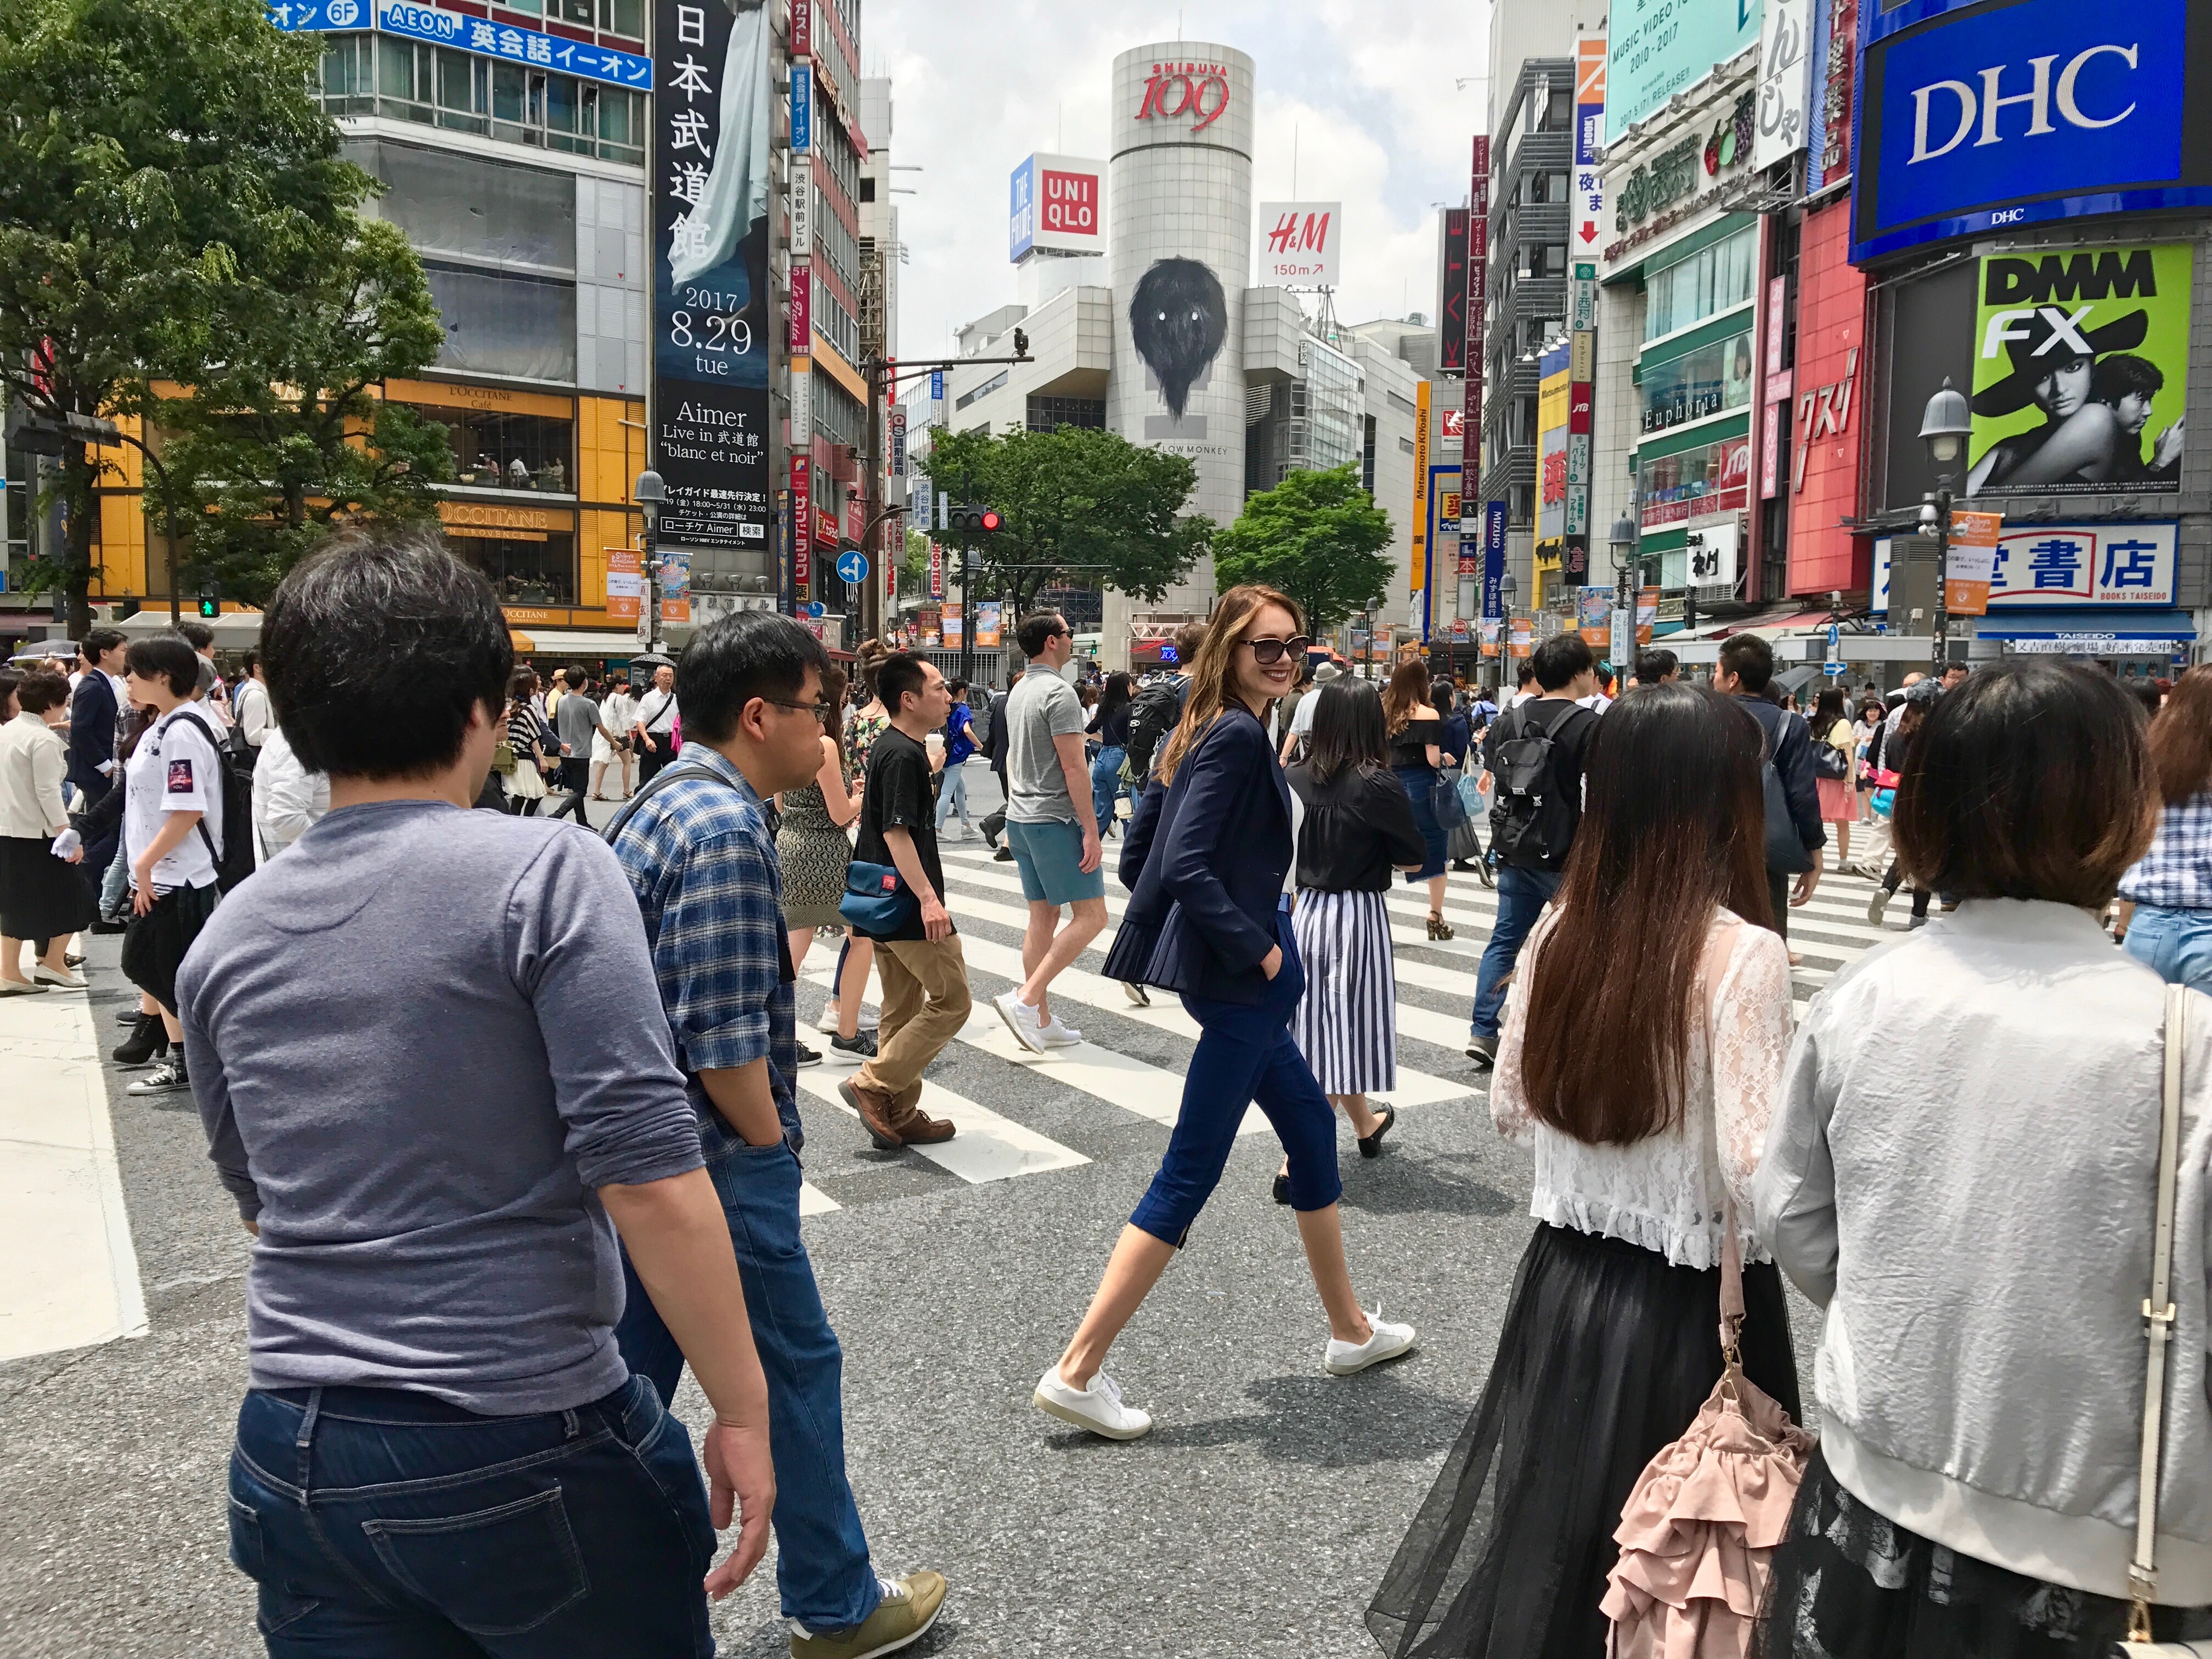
{"type": "Point", "coordinates": [1178, 319]}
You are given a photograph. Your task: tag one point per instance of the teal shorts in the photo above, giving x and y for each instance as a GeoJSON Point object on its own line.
{"type": "Point", "coordinates": [1049, 855]}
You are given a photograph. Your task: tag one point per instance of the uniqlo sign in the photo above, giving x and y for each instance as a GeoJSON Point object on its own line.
{"type": "Point", "coordinates": [1069, 206]}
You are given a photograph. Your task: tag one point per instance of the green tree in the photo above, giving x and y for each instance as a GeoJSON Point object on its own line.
{"type": "Point", "coordinates": [167, 180]}
{"type": "Point", "coordinates": [1316, 536]}
{"type": "Point", "coordinates": [1081, 507]}
{"type": "Point", "coordinates": [283, 441]}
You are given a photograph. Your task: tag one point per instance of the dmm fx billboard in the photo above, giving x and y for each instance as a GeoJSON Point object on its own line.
{"type": "Point", "coordinates": [712, 305]}
{"type": "Point", "coordinates": [1975, 115]}
{"type": "Point", "coordinates": [2080, 370]}
{"type": "Point", "coordinates": [1057, 203]}
{"type": "Point", "coordinates": [1661, 46]}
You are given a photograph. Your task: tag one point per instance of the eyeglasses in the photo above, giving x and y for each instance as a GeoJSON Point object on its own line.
{"type": "Point", "coordinates": [821, 711]}
{"type": "Point", "coordinates": [1268, 653]}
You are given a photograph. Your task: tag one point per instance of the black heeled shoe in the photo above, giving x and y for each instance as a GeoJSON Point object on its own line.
{"type": "Point", "coordinates": [1282, 1189]}
{"type": "Point", "coordinates": [1372, 1146]}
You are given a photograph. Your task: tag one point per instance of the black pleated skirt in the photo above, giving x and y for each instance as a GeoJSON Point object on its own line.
{"type": "Point", "coordinates": [1606, 1354]}
{"type": "Point", "coordinates": [41, 897]}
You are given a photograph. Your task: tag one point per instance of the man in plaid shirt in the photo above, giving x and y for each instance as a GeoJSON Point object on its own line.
{"type": "Point", "coordinates": [700, 856]}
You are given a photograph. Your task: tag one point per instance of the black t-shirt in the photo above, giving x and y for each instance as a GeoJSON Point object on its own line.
{"type": "Point", "coordinates": [898, 796]}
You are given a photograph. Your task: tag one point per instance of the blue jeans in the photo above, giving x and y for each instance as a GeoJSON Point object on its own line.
{"type": "Point", "coordinates": [822, 1564]}
{"type": "Point", "coordinates": [2178, 944]}
{"type": "Point", "coordinates": [956, 789]}
{"type": "Point", "coordinates": [1245, 1056]}
{"type": "Point", "coordinates": [1106, 784]}
{"type": "Point", "coordinates": [115, 886]}
{"type": "Point", "coordinates": [381, 1523]}
{"type": "Point", "coordinates": [1522, 897]}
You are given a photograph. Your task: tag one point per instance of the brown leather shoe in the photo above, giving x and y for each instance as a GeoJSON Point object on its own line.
{"type": "Point", "coordinates": [877, 1113]}
{"type": "Point", "coordinates": [917, 1128]}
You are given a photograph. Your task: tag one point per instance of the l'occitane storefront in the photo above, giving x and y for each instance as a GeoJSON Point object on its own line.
{"type": "Point", "coordinates": [541, 495]}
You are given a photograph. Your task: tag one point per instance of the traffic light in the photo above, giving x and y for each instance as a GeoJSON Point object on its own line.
{"type": "Point", "coordinates": [210, 600]}
{"type": "Point", "coordinates": [1021, 343]}
{"type": "Point", "coordinates": [975, 520]}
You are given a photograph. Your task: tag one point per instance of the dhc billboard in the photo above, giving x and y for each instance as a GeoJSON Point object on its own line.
{"type": "Point", "coordinates": [1977, 115]}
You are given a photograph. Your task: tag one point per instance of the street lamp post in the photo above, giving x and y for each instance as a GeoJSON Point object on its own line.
{"type": "Point", "coordinates": [1945, 425]}
{"type": "Point", "coordinates": [1622, 544]}
{"type": "Point", "coordinates": [1508, 590]}
{"type": "Point", "coordinates": [650, 494]}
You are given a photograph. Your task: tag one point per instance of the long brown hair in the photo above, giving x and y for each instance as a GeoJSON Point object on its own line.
{"type": "Point", "coordinates": [1408, 690]}
{"type": "Point", "coordinates": [1209, 673]}
{"type": "Point", "coordinates": [834, 684]}
{"type": "Point", "coordinates": [1672, 828]}
{"type": "Point", "coordinates": [2181, 740]}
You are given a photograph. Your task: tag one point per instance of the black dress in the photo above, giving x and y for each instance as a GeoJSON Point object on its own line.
{"type": "Point", "coordinates": [1409, 759]}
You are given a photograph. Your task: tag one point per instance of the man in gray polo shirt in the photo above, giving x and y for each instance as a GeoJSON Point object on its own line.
{"type": "Point", "coordinates": [1051, 828]}
{"type": "Point", "coordinates": [434, 1075]}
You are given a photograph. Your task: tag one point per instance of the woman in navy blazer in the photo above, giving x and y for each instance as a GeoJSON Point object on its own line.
{"type": "Point", "coordinates": [1205, 861]}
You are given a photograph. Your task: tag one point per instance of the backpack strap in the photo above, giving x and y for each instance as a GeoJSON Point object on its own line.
{"type": "Point", "coordinates": [215, 852]}
{"type": "Point", "coordinates": [660, 781]}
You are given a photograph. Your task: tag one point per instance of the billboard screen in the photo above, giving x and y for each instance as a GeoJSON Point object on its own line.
{"type": "Point", "coordinates": [2080, 370]}
{"type": "Point", "coordinates": [1056, 203]}
{"type": "Point", "coordinates": [1553, 407]}
{"type": "Point", "coordinates": [1451, 341]}
{"type": "Point", "coordinates": [712, 305]}
{"type": "Point", "coordinates": [1665, 48]}
{"type": "Point", "coordinates": [1978, 115]}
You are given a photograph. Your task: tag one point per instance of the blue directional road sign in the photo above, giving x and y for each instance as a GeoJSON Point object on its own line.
{"type": "Point", "coordinates": [852, 566]}
{"type": "Point", "coordinates": [816, 610]}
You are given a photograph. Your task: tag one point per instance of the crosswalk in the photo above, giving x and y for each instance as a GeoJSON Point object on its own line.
{"type": "Point", "coordinates": [1129, 1069]}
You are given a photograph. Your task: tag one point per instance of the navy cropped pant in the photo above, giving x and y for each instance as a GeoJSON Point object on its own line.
{"type": "Point", "coordinates": [1244, 1057]}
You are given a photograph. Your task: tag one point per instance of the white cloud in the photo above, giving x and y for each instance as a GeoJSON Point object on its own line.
{"type": "Point", "coordinates": [1368, 85]}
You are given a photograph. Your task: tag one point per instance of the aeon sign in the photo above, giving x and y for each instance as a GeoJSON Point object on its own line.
{"type": "Point", "coordinates": [1979, 115]}
{"type": "Point", "coordinates": [1198, 92]}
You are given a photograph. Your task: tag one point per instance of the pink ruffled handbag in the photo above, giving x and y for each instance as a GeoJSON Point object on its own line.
{"type": "Point", "coordinates": [1697, 1534]}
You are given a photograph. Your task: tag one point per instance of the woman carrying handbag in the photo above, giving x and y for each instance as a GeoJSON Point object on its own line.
{"type": "Point", "coordinates": [1206, 859]}
{"type": "Point", "coordinates": [1646, 1097]}
{"type": "Point", "coordinates": [1962, 1171]}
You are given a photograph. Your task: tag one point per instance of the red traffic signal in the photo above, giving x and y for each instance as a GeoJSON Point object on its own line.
{"type": "Point", "coordinates": [975, 519]}
{"type": "Point", "coordinates": [990, 520]}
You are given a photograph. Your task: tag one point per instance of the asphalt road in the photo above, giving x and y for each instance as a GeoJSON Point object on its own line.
{"type": "Point", "coordinates": [1256, 1518]}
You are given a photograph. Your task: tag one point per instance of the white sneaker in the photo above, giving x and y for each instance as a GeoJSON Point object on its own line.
{"type": "Point", "coordinates": [1387, 1341]}
{"type": "Point", "coordinates": [828, 1024]}
{"type": "Point", "coordinates": [1097, 1408]}
{"type": "Point", "coordinates": [1021, 1019]}
{"type": "Point", "coordinates": [1054, 1035]}
{"type": "Point", "coordinates": [1137, 993]}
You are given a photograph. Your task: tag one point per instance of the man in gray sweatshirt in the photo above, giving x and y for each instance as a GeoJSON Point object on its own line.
{"type": "Point", "coordinates": [433, 1072]}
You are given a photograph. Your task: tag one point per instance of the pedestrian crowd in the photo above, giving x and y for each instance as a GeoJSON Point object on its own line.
{"type": "Point", "coordinates": [502, 1198]}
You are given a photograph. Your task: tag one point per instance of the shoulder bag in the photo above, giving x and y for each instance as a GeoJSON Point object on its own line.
{"type": "Point", "coordinates": [2158, 1332]}
{"type": "Point", "coordinates": [1698, 1532]}
{"type": "Point", "coordinates": [1445, 800]}
{"type": "Point", "coordinates": [876, 900]}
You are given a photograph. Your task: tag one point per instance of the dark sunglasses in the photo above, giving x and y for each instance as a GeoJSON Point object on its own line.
{"type": "Point", "coordinates": [1268, 653]}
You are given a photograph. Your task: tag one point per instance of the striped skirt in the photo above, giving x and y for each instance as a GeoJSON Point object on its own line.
{"type": "Point", "coordinates": [1347, 1023]}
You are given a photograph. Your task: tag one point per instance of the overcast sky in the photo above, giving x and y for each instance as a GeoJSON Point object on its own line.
{"type": "Point", "coordinates": [1368, 85]}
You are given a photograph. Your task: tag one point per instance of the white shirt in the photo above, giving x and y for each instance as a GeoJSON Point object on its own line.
{"type": "Point", "coordinates": [1302, 717]}
{"type": "Point", "coordinates": [1518, 698]}
{"type": "Point", "coordinates": [1597, 702]}
{"type": "Point", "coordinates": [174, 770]}
{"type": "Point", "coordinates": [617, 714]}
{"type": "Point", "coordinates": [1668, 1193]}
{"type": "Point", "coordinates": [254, 719]}
{"type": "Point", "coordinates": [657, 709]}
{"type": "Point", "coordinates": [287, 797]}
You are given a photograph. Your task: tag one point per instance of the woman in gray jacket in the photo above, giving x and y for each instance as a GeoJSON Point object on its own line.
{"type": "Point", "coordinates": [1962, 1170]}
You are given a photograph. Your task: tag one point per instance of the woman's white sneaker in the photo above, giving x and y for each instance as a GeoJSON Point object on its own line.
{"type": "Point", "coordinates": [1385, 1342]}
{"type": "Point", "coordinates": [1097, 1408]}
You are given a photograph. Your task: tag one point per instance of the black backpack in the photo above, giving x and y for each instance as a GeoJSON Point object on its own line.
{"type": "Point", "coordinates": [233, 859]}
{"type": "Point", "coordinates": [1522, 767]}
{"type": "Point", "coordinates": [1152, 717]}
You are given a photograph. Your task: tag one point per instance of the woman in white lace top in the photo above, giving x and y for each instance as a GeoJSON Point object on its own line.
{"type": "Point", "coordinates": [1645, 1034]}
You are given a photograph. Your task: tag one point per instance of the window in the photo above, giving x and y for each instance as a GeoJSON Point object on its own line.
{"type": "Point", "coordinates": [1707, 381]}
{"type": "Point", "coordinates": [1709, 478]}
{"type": "Point", "coordinates": [525, 567]}
{"type": "Point", "coordinates": [623, 17]}
{"type": "Point", "coordinates": [983, 390]}
{"type": "Point", "coordinates": [867, 188]}
{"type": "Point", "coordinates": [440, 86]}
{"type": "Point", "coordinates": [1712, 280]}
{"type": "Point", "coordinates": [1046, 413]}
{"type": "Point", "coordinates": [493, 449]}
{"type": "Point", "coordinates": [1406, 445]}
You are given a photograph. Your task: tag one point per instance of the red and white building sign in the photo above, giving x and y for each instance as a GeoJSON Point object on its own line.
{"type": "Point", "coordinates": [1197, 92]}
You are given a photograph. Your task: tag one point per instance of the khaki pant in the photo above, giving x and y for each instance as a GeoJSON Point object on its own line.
{"type": "Point", "coordinates": [925, 1005]}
